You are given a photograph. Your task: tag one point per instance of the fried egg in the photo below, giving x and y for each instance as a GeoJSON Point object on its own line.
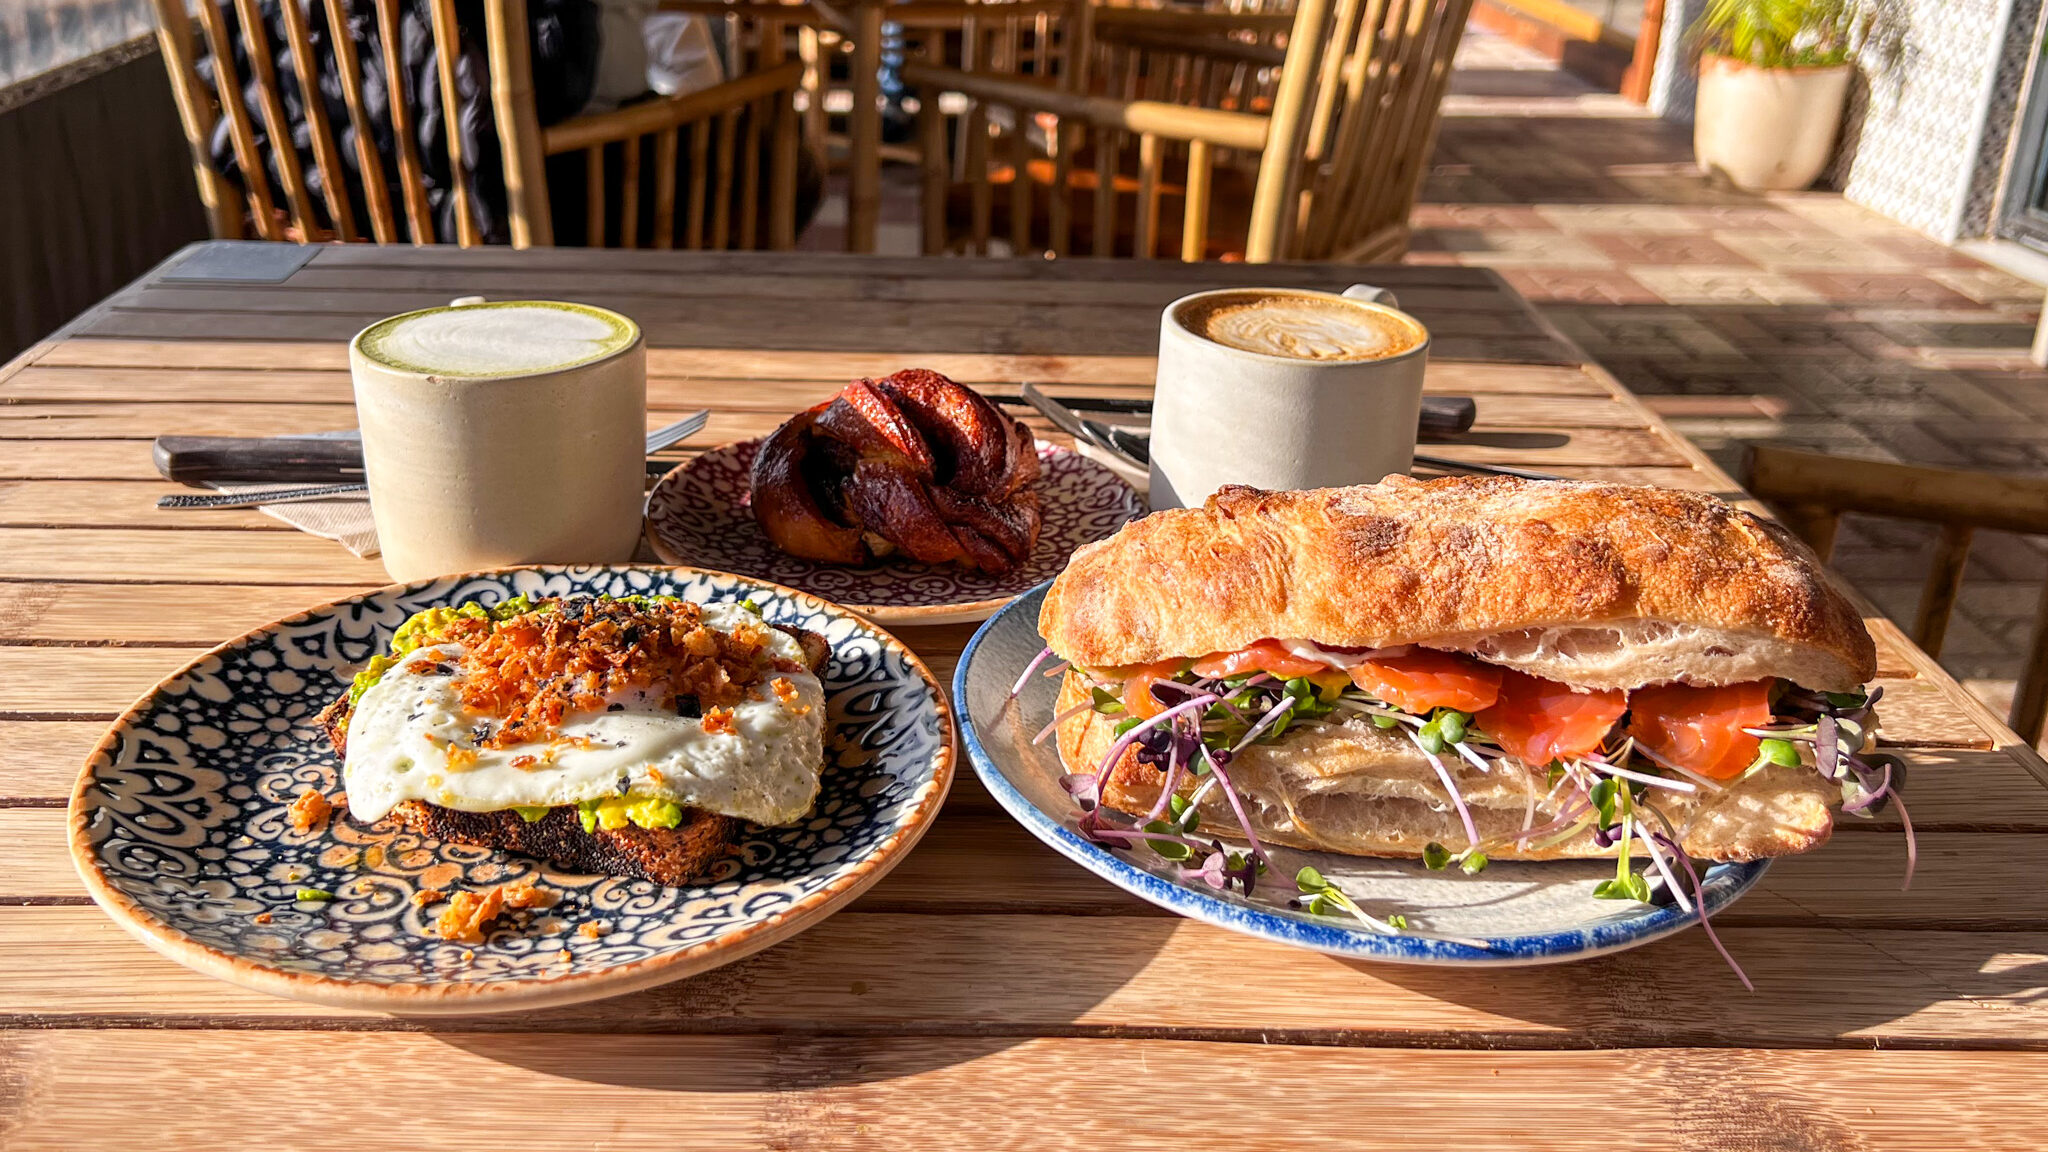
{"type": "Point", "coordinates": [411, 738]}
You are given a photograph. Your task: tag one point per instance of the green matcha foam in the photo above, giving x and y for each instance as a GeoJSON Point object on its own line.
{"type": "Point", "coordinates": [507, 338]}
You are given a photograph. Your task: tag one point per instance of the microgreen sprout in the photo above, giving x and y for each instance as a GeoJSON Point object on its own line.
{"type": "Point", "coordinates": [1323, 898]}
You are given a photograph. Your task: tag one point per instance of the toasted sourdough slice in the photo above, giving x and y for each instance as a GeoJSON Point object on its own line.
{"type": "Point", "coordinates": [1356, 789]}
{"type": "Point", "coordinates": [669, 856]}
{"type": "Point", "coordinates": [1594, 585]}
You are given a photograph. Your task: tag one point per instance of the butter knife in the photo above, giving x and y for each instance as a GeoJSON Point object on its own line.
{"type": "Point", "coordinates": [663, 437]}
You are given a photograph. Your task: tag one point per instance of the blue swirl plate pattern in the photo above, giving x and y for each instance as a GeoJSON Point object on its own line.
{"type": "Point", "coordinates": [1525, 913]}
{"type": "Point", "coordinates": [179, 823]}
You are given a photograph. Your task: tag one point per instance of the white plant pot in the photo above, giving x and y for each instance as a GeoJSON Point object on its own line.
{"type": "Point", "coordinates": [1767, 129]}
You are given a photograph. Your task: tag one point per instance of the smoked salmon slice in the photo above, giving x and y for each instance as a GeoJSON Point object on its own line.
{"type": "Point", "coordinates": [1701, 729]}
{"type": "Point", "coordinates": [1422, 679]}
{"type": "Point", "coordinates": [1537, 720]}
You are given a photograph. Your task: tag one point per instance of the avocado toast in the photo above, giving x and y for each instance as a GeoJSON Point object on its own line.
{"type": "Point", "coordinates": [633, 736]}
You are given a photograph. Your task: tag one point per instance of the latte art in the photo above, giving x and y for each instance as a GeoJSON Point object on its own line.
{"type": "Point", "coordinates": [514, 338]}
{"type": "Point", "coordinates": [1301, 326]}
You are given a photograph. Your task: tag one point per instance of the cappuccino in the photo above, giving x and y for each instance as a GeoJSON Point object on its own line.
{"type": "Point", "coordinates": [511, 338]}
{"type": "Point", "coordinates": [1283, 388]}
{"type": "Point", "coordinates": [1300, 326]}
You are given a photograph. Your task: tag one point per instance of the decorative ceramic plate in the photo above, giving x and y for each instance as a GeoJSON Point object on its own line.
{"type": "Point", "coordinates": [700, 514]}
{"type": "Point", "coordinates": [1524, 913]}
{"type": "Point", "coordinates": [179, 824]}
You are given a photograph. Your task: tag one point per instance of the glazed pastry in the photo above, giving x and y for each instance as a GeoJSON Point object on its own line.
{"type": "Point", "coordinates": [912, 463]}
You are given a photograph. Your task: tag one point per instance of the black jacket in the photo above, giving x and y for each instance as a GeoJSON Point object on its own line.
{"type": "Point", "coordinates": [564, 39]}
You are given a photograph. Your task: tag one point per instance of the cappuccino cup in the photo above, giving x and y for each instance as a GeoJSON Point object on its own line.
{"type": "Point", "coordinates": [510, 432]}
{"type": "Point", "coordinates": [1284, 388]}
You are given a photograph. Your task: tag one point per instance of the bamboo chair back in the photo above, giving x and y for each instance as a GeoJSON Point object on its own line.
{"type": "Point", "coordinates": [306, 195]}
{"type": "Point", "coordinates": [1811, 491]}
{"type": "Point", "coordinates": [1270, 135]}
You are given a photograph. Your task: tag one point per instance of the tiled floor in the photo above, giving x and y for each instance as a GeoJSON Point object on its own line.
{"type": "Point", "coordinates": [1790, 318]}
{"type": "Point", "coordinates": [1799, 318]}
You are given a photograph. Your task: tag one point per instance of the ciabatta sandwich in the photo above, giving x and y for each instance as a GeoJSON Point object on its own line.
{"type": "Point", "coordinates": [1464, 669]}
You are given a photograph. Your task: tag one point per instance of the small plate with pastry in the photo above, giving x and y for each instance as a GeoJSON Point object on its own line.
{"type": "Point", "coordinates": [910, 499]}
{"type": "Point", "coordinates": [1460, 721]}
{"type": "Point", "coordinates": [512, 789]}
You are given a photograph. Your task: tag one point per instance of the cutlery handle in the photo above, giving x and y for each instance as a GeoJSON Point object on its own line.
{"type": "Point", "coordinates": [1447, 415]}
{"type": "Point", "coordinates": [247, 459]}
{"type": "Point", "coordinates": [1441, 415]}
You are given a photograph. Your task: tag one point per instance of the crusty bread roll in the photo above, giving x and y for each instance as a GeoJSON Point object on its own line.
{"type": "Point", "coordinates": [1355, 789]}
{"type": "Point", "coordinates": [1594, 585]}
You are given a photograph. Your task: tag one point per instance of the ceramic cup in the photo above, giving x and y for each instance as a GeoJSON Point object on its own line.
{"type": "Point", "coordinates": [1331, 398]}
{"type": "Point", "coordinates": [510, 432]}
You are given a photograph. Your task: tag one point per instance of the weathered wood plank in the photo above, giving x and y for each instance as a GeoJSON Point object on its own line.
{"type": "Point", "coordinates": [116, 504]}
{"type": "Point", "coordinates": [1531, 447]}
{"type": "Point", "coordinates": [160, 614]}
{"type": "Point", "coordinates": [206, 1089]}
{"type": "Point", "coordinates": [224, 556]}
{"type": "Point", "coordinates": [39, 759]}
{"type": "Point", "coordinates": [239, 370]}
{"type": "Point", "coordinates": [775, 399]}
{"type": "Point", "coordinates": [982, 861]}
{"type": "Point", "coordinates": [90, 681]}
{"type": "Point", "coordinates": [541, 263]}
{"type": "Point", "coordinates": [972, 974]}
{"type": "Point", "coordinates": [372, 289]}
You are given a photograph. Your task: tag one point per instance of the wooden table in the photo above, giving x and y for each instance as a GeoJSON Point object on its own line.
{"type": "Point", "coordinates": [987, 993]}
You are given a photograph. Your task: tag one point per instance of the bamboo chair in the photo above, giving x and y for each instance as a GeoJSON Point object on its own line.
{"type": "Point", "coordinates": [1811, 491]}
{"type": "Point", "coordinates": [1261, 136]}
{"type": "Point", "coordinates": [932, 28]}
{"type": "Point", "coordinates": [729, 127]}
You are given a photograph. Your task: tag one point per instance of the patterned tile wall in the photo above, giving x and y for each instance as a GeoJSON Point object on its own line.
{"type": "Point", "coordinates": [1912, 139]}
{"type": "Point", "coordinates": [2008, 87]}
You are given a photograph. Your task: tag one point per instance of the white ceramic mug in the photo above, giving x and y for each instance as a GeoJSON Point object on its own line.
{"type": "Point", "coordinates": [519, 438]}
{"type": "Point", "coordinates": [1224, 415]}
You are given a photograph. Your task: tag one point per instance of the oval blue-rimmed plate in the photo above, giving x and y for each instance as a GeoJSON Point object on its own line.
{"type": "Point", "coordinates": [1525, 913]}
{"type": "Point", "coordinates": [179, 824]}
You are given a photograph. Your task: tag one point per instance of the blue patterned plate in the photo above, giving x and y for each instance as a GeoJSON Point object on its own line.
{"type": "Point", "coordinates": [699, 514]}
{"type": "Point", "coordinates": [179, 824]}
{"type": "Point", "coordinates": [1529, 913]}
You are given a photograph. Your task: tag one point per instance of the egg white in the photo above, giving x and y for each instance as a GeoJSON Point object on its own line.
{"type": "Point", "coordinates": [765, 770]}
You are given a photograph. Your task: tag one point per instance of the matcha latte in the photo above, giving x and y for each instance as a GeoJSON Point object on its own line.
{"type": "Point", "coordinates": [502, 433]}
{"type": "Point", "coordinates": [509, 338]}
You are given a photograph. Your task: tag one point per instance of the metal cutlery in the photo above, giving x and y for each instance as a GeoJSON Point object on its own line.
{"type": "Point", "coordinates": [1446, 464]}
{"type": "Point", "coordinates": [1135, 448]}
{"type": "Point", "coordinates": [1441, 415]}
{"type": "Point", "coordinates": [211, 454]}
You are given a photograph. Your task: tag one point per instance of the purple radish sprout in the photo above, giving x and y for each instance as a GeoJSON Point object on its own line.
{"type": "Point", "coordinates": [1018, 687]}
{"type": "Point", "coordinates": [1060, 719]}
{"type": "Point", "coordinates": [1457, 801]}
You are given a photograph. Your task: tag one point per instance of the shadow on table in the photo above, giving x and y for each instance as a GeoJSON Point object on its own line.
{"type": "Point", "coordinates": [843, 1013]}
{"type": "Point", "coordinates": [1815, 986]}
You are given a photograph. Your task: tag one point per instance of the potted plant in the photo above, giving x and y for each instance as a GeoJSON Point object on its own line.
{"type": "Point", "coordinates": [1774, 75]}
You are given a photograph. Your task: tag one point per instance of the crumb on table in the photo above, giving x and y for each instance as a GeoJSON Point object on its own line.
{"type": "Point", "coordinates": [565, 956]}
{"type": "Point", "coordinates": [309, 811]}
{"type": "Point", "coordinates": [591, 929]}
{"type": "Point", "coordinates": [426, 896]}
{"type": "Point", "coordinates": [263, 917]}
